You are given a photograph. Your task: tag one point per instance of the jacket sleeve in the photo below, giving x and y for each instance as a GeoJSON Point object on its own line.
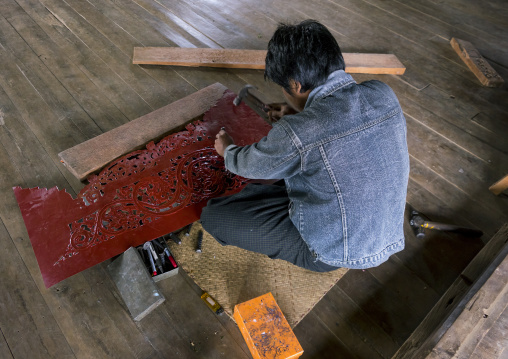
{"type": "Point", "coordinates": [273, 157]}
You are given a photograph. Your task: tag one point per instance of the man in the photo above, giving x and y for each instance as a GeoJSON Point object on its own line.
{"type": "Point", "coordinates": [341, 151]}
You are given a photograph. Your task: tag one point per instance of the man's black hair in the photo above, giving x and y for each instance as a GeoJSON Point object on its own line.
{"type": "Point", "coordinates": [306, 53]}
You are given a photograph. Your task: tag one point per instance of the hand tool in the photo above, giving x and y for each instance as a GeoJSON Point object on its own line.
{"type": "Point", "coordinates": [200, 242]}
{"type": "Point", "coordinates": [173, 237]}
{"type": "Point", "coordinates": [420, 222]}
{"type": "Point", "coordinates": [155, 257]}
{"type": "Point", "coordinates": [212, 303]}
{"type": "Point", "coordinates": [146, 247]}
{"type": "Point", "coordinates": [187, 229]}
{"type": "Point", "coordinates": [253, 102]}
{"type": "Point", "coordinates": [163, 243]}
{"type": "Point", "coordinates": [160, 247]}
{"type": "Point", "coordinates": [170, 257]}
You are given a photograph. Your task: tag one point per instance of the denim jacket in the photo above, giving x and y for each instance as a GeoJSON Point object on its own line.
{"type": "Point", "coordinates": [345, 163]}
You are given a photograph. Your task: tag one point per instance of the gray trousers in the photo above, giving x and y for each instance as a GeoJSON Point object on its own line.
{"type": "Point", "coordinates": [257, 219]}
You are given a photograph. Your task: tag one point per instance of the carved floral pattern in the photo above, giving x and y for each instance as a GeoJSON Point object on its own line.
{"type": "Point", "coordinates": [189, 178]}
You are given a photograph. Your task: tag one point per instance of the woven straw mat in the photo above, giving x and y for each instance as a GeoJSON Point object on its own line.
{"type": "Point", "coordinates": [232, 275]}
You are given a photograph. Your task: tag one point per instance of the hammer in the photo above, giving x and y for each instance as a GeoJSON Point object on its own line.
{"type": "Point", "coordinates": [253, 102]}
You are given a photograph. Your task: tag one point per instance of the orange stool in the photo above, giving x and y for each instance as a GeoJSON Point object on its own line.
{"type": "Point", "coordinates": [266, 330]}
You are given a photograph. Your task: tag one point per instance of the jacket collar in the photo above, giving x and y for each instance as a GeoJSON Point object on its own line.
{"type": "Point", "coordinates": [334, 82]}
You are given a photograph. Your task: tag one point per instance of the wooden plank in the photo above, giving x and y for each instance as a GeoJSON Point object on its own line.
{"type": "Point", "coordinates": [480, 322]}
{"type": "Point", "coordinates": [476, 63]}
{"type": "Point", "coordinates": [430, 330]}
{"type": "Point", "coordinates": [255, 59]}
{"type": "Point", "coordinates": [92, 155]}
{"type": "Point", "coordinates": [500, 186]}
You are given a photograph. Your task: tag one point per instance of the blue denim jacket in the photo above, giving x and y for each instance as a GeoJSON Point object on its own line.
{"type": "Point", "coordinates": [345, 163]}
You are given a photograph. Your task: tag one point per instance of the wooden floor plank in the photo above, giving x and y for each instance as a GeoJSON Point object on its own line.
{"type": "Point", "coordinates": [332, 314]}
{"type": "Point", "coordinates": [227, 322]}
{"type": "Point", "coordinates": [51, 133]}
{"type": "Point", "coordinates": [317, 342]}
{"type": "Point", "coordinates": [207, 338]}
{"type": "Point", "coordinates": [463, 115]}
{"type": "Point", "coordinates": [165, 76]}
{"type": "Point", "coordinates": [471, 23]}
{"type": "Point", "coordinates": [26, 321]}
{"type": "Point", "coordinates": [23, 148]}
{"type": "Point", "coordinates": [65, 106]}
{"type": "Point", "coordinates": [65, 69]}
{"type": "Point", "coordinates": [104, 113]}
{"type": "Point", "coordinates": [169, 344]}
{"type": "Point", "coordinates": [462, 205]}
{"type": "Point", "coordinates": [104, 289]}
{"type": "Point", "coordinates": [110, 43]}
{"type": "Point", "coordinates": [218, 29]}
{"type": "Point", "coordinates": [467, 172]}
{"type": "Point", "coordinates": [436, 258]}
{"type": "Point", "coordinates": [421, 21]}
{"type": "Point", "coordinates": [179, 32]}
{"type": "Point", "coordinates": [225, 15]}
{"type": "Point", "coordinates": [395, 317]}
{"type": "Point", "coordinates": [83, 321]}
{"type": "Point", "coordinates": [442, 73]}
{"type": "Point", "coordinates": [131, 23]}
{"type": "Point", "coordinates": [412, 291]}
{"type": "Point", "coordinates": [5, 351]}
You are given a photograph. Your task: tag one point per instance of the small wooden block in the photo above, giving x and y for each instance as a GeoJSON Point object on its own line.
{"type": "Point", "coordinates": [135, 285]}
{"type": "Point", "coordinates": [255, 59]}
{"type": "Point", "coordinates": [266, 330]}
{"type": "Point", "coordinates": [500, 186]}
{"type": "Point", "coordinates": [92, 155]}
{"type": "Point", "coordinates": [476, 63]}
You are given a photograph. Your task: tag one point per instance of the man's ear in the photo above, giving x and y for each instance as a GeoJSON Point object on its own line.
{"type": "Point", "coordinates": [295, 86]}
{"type": "Point", "coordinates": [298, 87]}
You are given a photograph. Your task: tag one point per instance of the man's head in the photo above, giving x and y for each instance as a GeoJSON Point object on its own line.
{"type": "Point", "coordinates": [305, 53]}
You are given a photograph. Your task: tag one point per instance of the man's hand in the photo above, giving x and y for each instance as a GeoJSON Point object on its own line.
{"type": "Point", "coordinates": [222, 141]}
{"type": "Point", "coordinates": [277, 110]}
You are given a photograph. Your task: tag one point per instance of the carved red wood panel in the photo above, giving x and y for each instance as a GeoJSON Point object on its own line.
{"type": "Point", "coordinates": [137, 198]}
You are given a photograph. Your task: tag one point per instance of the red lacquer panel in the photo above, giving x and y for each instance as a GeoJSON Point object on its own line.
{"type": "Point", "coordinates": [139, 197]}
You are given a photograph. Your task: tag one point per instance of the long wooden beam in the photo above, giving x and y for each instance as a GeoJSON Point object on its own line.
{"type": "Point", "coordinates": [92, 155]}
{"type": "Point", "coordinates": [255, 59]}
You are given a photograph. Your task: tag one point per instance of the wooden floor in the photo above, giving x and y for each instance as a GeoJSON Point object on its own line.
{"type": "Point", "coordinates": [66, 76]}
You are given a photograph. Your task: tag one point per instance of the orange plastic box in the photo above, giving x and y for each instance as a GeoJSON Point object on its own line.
{"type": "Point", "coordinates": [266, 330]}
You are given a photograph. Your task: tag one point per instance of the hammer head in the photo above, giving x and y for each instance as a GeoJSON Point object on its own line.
{"type": "Point", "coordinates": [253, 102]}
{"type": "Point", "coordinates": [242, 94]}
